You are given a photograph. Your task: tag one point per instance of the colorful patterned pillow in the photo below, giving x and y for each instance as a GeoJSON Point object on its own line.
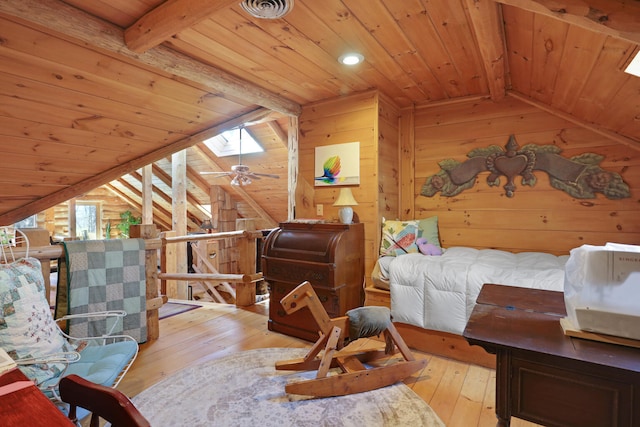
{"type": "Point", "coordinates": [27, 328]}
{"type": "Point", "coordinates": [429, 229]}
{"type": "Point", "coordinates": [399, 237]}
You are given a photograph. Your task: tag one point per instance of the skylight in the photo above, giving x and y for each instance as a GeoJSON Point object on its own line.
{"type": "Point", "coordinates": [228, 143]}
{"type": "Point", "coordinates": [634, 66]}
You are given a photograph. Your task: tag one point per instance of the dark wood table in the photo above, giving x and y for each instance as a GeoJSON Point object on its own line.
{"type": "Point", "coordinates": [23, 404]}
{"type": "Point", "coordinates": [546, 377]}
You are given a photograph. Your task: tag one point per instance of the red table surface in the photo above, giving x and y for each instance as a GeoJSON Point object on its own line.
{"type": "Point", "coordinates": [28, 406]}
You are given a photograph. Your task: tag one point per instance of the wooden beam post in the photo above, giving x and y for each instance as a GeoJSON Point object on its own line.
{"type": "Point", "coordinates": [179, 216]}
{"type": "Point", "coordinates": [149, 231]}
{"type": "Point", "coordinates": [294, 124]}
{"type": "Point", "coordinates": [147, 194]}
{"type": "Point", "coordinates": [168, 264]}
{"type": "Point", "coordinates": [72, 218]}
{"type": "Point", "coordinates": [246, 292]}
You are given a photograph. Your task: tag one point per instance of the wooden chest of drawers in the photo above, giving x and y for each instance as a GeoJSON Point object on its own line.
{"type": "Point", "coordinates": [329, 256]}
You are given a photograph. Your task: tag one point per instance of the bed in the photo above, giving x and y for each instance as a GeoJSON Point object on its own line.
{"type": "Point", "coordinates": [439, 292]}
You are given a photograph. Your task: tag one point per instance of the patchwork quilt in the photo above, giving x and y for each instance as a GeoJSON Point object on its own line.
{"type": "Point", "coordinates": [103, 275]}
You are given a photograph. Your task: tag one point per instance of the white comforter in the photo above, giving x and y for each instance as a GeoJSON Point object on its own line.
{"type": "Point", "coordinates": [439, 292]}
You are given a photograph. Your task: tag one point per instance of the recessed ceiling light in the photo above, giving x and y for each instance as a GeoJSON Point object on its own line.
{"type": "Point", "coordinates": [351, 58]}
{"type": "Point", "coordinates": [634, 66]}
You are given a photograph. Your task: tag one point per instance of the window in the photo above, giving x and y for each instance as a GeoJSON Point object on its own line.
{"type": "Point", "coordinates": [228, 143]}
{"type": "Point", "coordinates": [30, 222]}
{"type": "Point", "coordinates": [88, 220]}
{"type": "Point", "coordinates": [634, 66]}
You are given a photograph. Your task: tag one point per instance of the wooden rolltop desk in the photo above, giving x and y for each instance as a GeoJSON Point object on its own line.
{"type": "Point", "coordinates": [330, 256]}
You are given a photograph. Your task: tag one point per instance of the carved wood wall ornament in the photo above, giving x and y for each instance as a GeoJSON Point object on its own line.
{"type": "Point", "coordinates": [580, 176]}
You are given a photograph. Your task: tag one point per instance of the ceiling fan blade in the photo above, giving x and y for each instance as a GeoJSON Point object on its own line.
{"type": "Point", "coordinates": [217, 174]}
{"type": "Point", "coordinates": [267, 175]}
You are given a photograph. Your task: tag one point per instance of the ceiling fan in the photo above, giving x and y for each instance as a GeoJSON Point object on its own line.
{"type": "Point", "coordinates": [242, 175]}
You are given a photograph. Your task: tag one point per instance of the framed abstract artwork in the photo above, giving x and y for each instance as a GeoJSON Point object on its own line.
{"type": "Point", "coordinates": [337, 164]}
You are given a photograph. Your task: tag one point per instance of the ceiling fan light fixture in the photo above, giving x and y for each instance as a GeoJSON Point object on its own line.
{"type": "Point", "coordinates": [240, 180]}
{"type": "Point", "coordinates": [267, 9]}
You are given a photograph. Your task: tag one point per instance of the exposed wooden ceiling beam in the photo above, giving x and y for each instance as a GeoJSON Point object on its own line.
{"type": "Point", "coordinates": [168, 19]}
{"type": "Point", "coordinates": [191, 199]}
{"type": "Point", "coordinates": [197, 180]}
{"type": "Point", "coordinates": [155, 190]}
{"type": "Point", "coordinates": [615, 18]}
{"type": "Point", "coordinates": [124, 168]}
{"type": "Point", "coordinates": [112, 187]}
{"type": "Point", "coordinates": [486, 19]}
{"type": "Point", "coordinates": [77, 26]}
{"type": "Point", "coordinates": [138, 194]}
{"type": "Point", "coordinates": [193, 220]}
{"type": "Point", "coordinates": [280, 134]}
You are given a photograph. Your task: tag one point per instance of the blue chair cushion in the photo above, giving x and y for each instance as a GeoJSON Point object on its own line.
{"type": "Point", "coordinates": [103, 364]}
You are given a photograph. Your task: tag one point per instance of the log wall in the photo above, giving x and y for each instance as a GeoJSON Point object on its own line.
{"type": "Point", "coordinates": [56, 219]}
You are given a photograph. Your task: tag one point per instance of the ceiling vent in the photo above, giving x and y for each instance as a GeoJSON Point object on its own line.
{"type": "Point", "coordinates": [267, 9]}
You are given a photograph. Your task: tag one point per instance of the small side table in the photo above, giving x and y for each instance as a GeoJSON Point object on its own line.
{"type": "Point", "coordinates": [546, 377]}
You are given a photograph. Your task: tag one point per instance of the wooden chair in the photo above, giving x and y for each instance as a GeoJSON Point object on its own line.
{"type": "Point", "coordinates": [103, 402]}
{"type": "Point", "coordinates": [335, 333]}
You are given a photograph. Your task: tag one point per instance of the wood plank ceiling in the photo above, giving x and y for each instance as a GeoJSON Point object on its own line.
{"type": "Point", "coordinates": [91, 90]}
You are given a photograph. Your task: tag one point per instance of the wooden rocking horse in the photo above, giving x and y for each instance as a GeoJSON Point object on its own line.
{"type": "Point", "coordinates": [335, 333]}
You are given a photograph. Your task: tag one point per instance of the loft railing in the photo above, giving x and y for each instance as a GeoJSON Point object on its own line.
{"type": "Point", "coordinates": [244, 289]}
{"type": "Point", "coordinates": [157, 281]}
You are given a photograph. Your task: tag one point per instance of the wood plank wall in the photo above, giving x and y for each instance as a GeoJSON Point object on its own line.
{"type": "Point", "coordinates": [388, 162]}
{"type": "Point", "coordinates": [538, 218]}
{"type": "Point", "coordinates": [371, 120]}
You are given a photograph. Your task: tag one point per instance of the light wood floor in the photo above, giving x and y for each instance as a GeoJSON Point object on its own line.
{"type": "Point", "coordinates": [461, 394]}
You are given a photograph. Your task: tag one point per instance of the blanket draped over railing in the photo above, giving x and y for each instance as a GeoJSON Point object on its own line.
{"type": "Point", "coordinates": [103, 275]}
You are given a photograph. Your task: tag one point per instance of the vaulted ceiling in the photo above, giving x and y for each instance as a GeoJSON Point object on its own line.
{"type": "Point", "coordinates": [92, 90]}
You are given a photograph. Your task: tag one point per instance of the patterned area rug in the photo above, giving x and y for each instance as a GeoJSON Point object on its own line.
{"type": "Point", "coordinates": [245, 390]}
{"type": "Point", "coordinates": [172, 308]}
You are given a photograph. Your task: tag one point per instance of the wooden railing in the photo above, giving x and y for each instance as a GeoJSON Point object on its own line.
{"type": "Point", "coordinates": [159, 242]}
{"type": "Point", "coordinates": [245, 288]}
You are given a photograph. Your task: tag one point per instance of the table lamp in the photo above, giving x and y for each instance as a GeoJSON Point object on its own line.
{"type": "Point", "coordinates": [345, 201]}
